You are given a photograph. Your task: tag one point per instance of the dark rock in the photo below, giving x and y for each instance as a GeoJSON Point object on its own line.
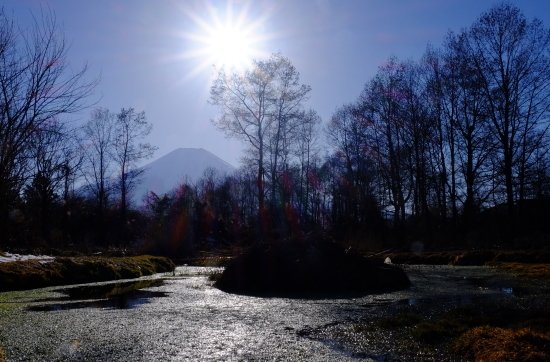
{"type": "Point", "coordinates": [307, 269]}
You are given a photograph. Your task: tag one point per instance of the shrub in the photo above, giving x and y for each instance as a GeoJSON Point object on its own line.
{"type": "Point", "coordinates": [493, 344]}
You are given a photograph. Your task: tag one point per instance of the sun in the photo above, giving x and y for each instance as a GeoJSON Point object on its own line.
{"type": "Point", "coordinates": [223, 37]}
{"type": "Point", "coordinates": [230, 46]}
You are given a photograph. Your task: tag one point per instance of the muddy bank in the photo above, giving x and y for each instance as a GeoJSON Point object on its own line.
{"type": "Point", "coordinates": [30, 274]}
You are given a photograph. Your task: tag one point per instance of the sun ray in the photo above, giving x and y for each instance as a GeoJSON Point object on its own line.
{"type": "Point", "coordinates": [224, 37]}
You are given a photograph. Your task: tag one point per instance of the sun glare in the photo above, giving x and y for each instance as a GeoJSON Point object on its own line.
{"type": "Point", "coordinates": [224, 38]}
{"type": "Point", "coordinates": [229, 47]}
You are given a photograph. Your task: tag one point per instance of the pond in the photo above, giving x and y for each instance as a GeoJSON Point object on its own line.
{"type": "Point", "coordinates": [183, 318]}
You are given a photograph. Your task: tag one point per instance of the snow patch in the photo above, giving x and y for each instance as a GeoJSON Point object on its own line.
{"type": "Point", "coordinates": [17, 257]}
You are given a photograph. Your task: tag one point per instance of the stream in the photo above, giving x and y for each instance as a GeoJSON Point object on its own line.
{"type": "Point", "coordinates": [183, 318]}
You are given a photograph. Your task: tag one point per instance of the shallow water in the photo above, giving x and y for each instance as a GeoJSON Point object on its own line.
{"type": "Point", "coordinates": [128, 300]}
{"type": "Point", "coordinates": [186, 319]}
{"type": "Point", "coordinates": [118, 295]}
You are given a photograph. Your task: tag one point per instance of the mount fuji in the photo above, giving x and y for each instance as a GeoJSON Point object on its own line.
{"type": "Point", "coordinates": [183, 164]}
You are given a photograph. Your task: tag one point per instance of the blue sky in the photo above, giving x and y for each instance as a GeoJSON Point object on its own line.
{"type": "Point", "coordinates": [142, 49]}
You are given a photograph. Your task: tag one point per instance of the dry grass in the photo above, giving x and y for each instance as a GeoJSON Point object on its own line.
{"type": "Point", "coordinates": [493, 344]}
{"type": "Point", "coordinates": [529, 271]}
{"type": "Point", "coordinates": [216, 258]}
{"type": "Point", "coordinates": [212, 261]}
{"type": "Point", "coordinates": [518, 328]}
{"type": "Point", "coordinates": [214, 277]}
{"type": "Point", "coordinates": [439, 331]}
{"type": "Point", "coordinates": [486, 333]}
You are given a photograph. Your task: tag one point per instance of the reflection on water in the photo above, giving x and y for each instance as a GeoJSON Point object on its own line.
{"type": "Point", "coordinates": [515, 291]}
{"type": "Point", "coordinates": [453, 301]}
{"type": "Point", "coordinates": [125, 301]}
{"type": "Point", "coordinates": [126, 295]}
{"type": "Point", "coordinates": [109, 290]}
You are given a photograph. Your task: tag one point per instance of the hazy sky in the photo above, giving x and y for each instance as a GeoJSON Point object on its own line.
{"type": "Point", "coordinates": [152, 54]}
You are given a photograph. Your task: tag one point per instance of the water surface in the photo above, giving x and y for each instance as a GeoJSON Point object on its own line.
{"type": "Point", "coordinates": [186, 319]}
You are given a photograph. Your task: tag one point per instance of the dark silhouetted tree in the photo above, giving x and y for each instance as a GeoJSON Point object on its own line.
{"type": "Point", "coordinates": [130, 128]}
{"type": "Point", "coordinates": [36, 86]}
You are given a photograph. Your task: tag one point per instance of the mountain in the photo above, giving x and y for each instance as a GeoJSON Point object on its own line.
{"type": "Point", "coordinates": [163, 175]}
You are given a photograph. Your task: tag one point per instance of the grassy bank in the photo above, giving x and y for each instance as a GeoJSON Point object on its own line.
{"type": "Point", "coordinates": [539, 272]}
{"type": "Point", "coordinates": [30, 274]}
{"type": "Point", "coordinates": [509, 330]}
{"type": "Point", "coordinates": [470, 257]}
{"type": "Point", "coordinates": [534, 265]}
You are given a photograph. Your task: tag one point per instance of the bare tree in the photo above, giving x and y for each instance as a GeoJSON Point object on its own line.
{"type": "Point", "coordinates": [98, 148]}
{"type": "Point", "coordinates": [36, 86]}
{"type": "Point", "coordinates": [442, 97]}
{"type": "Point", "coordinates": [307, 151]}
{"type": "Point", "coordinates": [256, 106]}
{"type": "Point", "coordinates": [53, 160]}
{"type": "Point", "coordinates": [510, 56]}
{"type": "Point", "coordinates": [130, 128]}
{"type": "Point", "coordinates": [382, 106]}
{"type": "Point", "coordinates": [468, 126]}
{"type": "Point", "coordinates": [287, 117]}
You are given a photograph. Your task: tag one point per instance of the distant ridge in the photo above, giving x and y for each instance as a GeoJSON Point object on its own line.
{"type": "Point", "coordinates": [164, 174]}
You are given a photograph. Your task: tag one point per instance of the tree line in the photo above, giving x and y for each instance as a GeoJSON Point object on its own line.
{"type": "Point", "coordinates": [49, 165]}
{"type": "Point", "coordinates": [447, 151]}
{"type": "Point", "coordinates": [451, 149]}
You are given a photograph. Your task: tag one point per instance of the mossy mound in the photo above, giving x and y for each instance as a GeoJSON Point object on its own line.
{"type": "Point", "coordinates": [306, 269]}
{"type": "Point", "coordinates": [30, 274]}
